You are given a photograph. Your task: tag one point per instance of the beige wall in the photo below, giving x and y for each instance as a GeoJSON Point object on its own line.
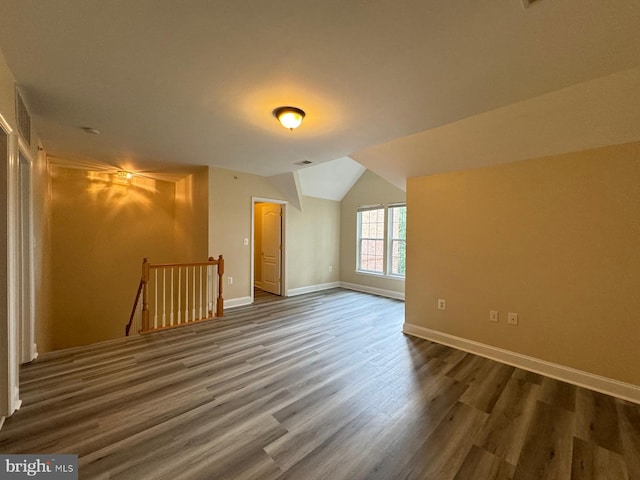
{"type": "Point", "coordinates": [311, 234]}
{"type": "Point", "coordinates": [191, 216]}
{"type": "Point", "coordinates": [553, 239]}
{"type": "Point", "coordinates": [313, 251]}
{"type": "Point", "coordinates": [7, 94]}
{"type": "Point", "coordinates": [101, 228]}
{"type": "Point", "coordinates": [230, 207]}
{"type": "Point", "coordinates": [41, 185]}
{"type": "Point", "coordinates": [313, 246]}
{"type": "Point", "coordinates": [370, 189]}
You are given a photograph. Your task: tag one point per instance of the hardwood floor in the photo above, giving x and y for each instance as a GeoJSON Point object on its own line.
{"type": "Point", "coordinates": [321, 386]}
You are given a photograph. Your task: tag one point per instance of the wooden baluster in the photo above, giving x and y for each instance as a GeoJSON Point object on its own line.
{"type": "Point", "coordinates": [171, 314]}
{"type": "Point", "coordinates": [207, 286]}
{"type": "Point", "coordinates": [212, 289]}
{"type": "Point", "coordinates": [164, 297]}
{"type": "Point", "coordinates": [186, 294]}
{"type": "Point", "coordinates": [214, 279]}
{"type": "Point", "coordinates": [202, 288]}
{"type": "Point", "coordinates": [179, 292]}
{"type": "Point", "coordinates": [155, 312]}
{"type": "Point", "coordinates": [145, 304]}
{"type": "Point", "coordinates": [193, 304]}
{"type": "Point", "coordinates": [200, 306]}
{"type": "Point", "coordinates": [220, 300]}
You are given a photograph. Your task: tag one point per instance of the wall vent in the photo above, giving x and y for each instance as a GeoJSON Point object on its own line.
{"type": "Point", "coordinates": [23, 119]}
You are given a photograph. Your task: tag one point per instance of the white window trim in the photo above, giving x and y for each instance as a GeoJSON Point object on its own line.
{"type": "Point", "coordinates": [386, 260]}
{"type": "Point", "coordinates": [368, 208]}
{"type": "Point", "coordinates": [389, 241]}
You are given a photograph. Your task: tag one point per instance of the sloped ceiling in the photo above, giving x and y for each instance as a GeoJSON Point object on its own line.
{"type": "Point", "coordinates": [194, 82]}
{"type": "Point", "coordinates": [330, 180]}
{"type": "Point", "coordinates": [588, 115]}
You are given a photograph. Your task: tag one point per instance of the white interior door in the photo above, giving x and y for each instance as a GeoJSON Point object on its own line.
{"type": "Point", "coordinates": [271, 248]}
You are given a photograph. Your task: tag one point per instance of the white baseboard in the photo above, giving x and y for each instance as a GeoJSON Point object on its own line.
{"type": "Point", "coordinates": [609, 386]}
{"type": "Point", "coordinates": [373, 290]}
{"type": "Point", "coordinates": [237, 302]}
{"type": "Point", "coordinates": [292, 292]}
{"type": "Point", "coordinates": [17, 405]}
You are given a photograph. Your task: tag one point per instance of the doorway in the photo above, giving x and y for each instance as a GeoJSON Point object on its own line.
{"type": "Point", "coordinates": [268, 246]}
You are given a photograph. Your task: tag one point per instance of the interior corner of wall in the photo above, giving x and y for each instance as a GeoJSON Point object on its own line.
{"type": "Point", "coordinates": [299, 193]}
{"type": "Point", "coordinates": [288, 184]}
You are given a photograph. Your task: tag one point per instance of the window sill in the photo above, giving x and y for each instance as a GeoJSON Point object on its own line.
{"type": "Point", "coordinates": [380, 275]}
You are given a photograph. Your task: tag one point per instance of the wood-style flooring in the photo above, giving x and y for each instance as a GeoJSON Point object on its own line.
{"type": "Point", "coordinates": [320, 386]}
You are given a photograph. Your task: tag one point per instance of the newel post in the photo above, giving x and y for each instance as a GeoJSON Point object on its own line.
{"type": "Point", "coordinates": [220, 300]}
{"type": "Point", "coordinates": [145, 304]}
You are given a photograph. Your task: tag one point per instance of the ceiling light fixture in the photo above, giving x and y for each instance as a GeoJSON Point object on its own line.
{"type": "Point", "coordinates": [289, 117]}
{"type": "Point", "coordinates": [125, 174]}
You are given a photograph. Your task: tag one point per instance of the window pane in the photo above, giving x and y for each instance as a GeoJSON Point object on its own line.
{"type": "Point", "coordinates": [371, 240]}
{"type": "Point", "coordinates": [397, 240]}
{"type": "Point", "coordinates": [398, 257]}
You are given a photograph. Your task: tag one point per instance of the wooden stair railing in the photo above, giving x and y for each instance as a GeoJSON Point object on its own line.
{"type": "Point", "coordinates": [133, 310]}
{"type": "Point", "coordinates": [176, 294]}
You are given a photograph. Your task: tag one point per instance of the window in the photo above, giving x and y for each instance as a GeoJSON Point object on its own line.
{"type": "Point", "coordinates": [382, 234]}
{"type": "Point", "coordinates": [371, 240]}
{"type": "Point", "coordinates": [397, 239]}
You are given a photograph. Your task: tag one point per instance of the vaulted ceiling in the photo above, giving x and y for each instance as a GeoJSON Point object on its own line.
{"type": "Point", "coordinates": [406, 88]}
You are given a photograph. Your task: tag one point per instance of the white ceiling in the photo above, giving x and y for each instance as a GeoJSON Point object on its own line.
{"type": "Point", "coordinates": [194, 82]}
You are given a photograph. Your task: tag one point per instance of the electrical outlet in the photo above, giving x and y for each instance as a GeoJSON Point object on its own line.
{"type": "Point", "coordinates": [331, 268]}
{"type": "Point", "coordinates": [512, 319]}
{"type": "Point", "coordinates": [229, 280]}
{"type": "Point", "coordinates": [442, 304]}
{"type": "Point", "coordinates": [493, 316]}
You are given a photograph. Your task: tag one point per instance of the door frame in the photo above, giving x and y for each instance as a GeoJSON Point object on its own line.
{"type": "Point", "coordinates": [9, 332]}
{"type": "Point", "coordinates": [283, 256]}
{"type": "Point", "coordinates": [25, 251]}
